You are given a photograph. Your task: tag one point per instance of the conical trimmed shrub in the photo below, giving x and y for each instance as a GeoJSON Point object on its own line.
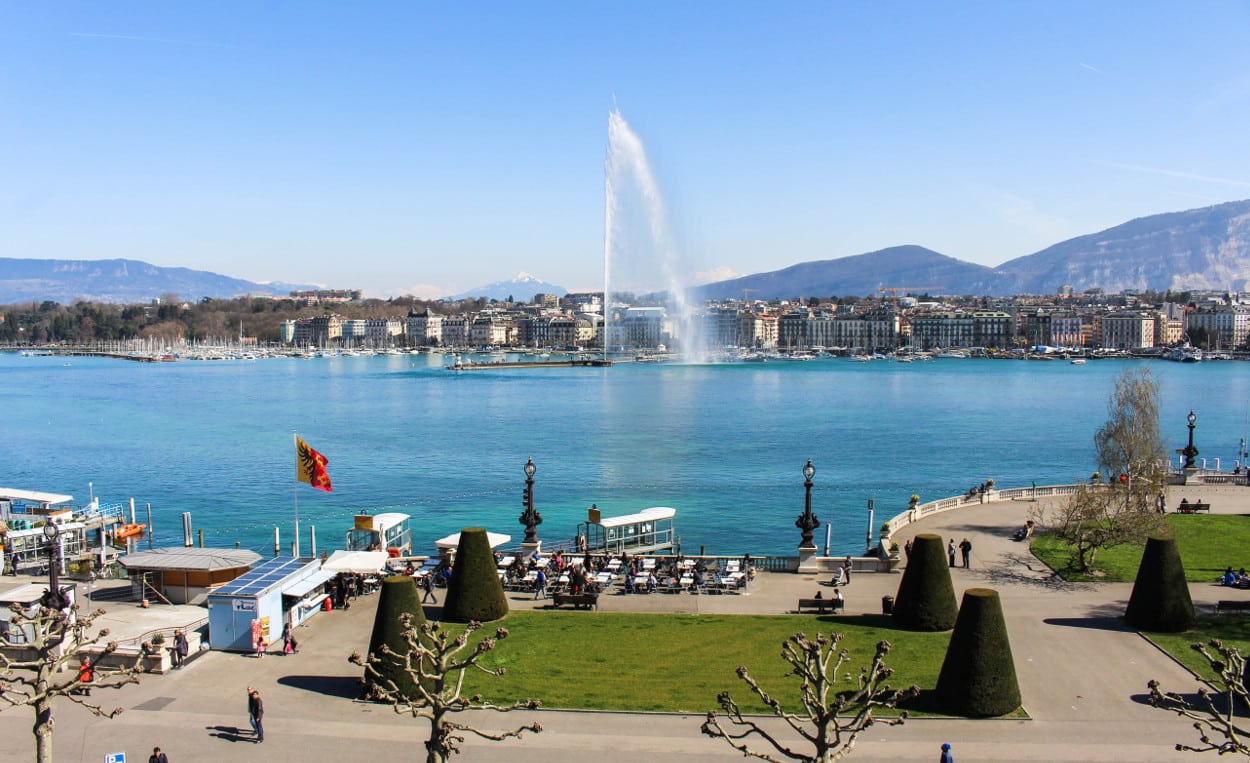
{"type": "Point", "coordinates": [1160, 600]}
{"type": "Point", "coordinates": [978, 677]}
{"type": "Point", "coordinates": [474, 592]}
{"type": "Point", "coordinates": [398, 596]}
{"type": "Point", "coordinates": [926, 596]}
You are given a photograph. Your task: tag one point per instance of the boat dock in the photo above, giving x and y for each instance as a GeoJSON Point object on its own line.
{"type": "Point", "coordinates": [469, 365]}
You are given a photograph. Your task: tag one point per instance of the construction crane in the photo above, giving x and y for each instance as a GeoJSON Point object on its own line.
{"type": "Point", "coordinates": [745, 292]}
{"type": "Point", "coordinates": [894, 290]}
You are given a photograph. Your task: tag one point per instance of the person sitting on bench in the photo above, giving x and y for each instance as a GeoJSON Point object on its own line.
{"type": "Point", "coordinates": [1229, 578]}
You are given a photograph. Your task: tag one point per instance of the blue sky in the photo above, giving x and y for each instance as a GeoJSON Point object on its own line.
{"type": "Point", "coordinates": [428, 148]}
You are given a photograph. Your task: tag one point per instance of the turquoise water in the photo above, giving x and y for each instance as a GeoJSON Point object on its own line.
{"type": "Point", "coordinates": [724, 445]}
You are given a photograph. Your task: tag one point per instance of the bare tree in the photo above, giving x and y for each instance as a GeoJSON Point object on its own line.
{"type": "Point", "coordinates": [1214, 714]}
{"type": "Point", "coordinates": [433, 659]}
{"type": "Point", "coordinates": [1128, 448]}
{"type": "Point", "coordinates": [830, 720]}
{"type": "Point", "coordinates": [39, 666]}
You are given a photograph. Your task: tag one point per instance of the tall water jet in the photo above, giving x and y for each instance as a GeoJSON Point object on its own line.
{"type": "Point", "coordinates": [639, 256]}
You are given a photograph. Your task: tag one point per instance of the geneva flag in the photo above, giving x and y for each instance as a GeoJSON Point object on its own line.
{"type": "Point", "coordinates": [310, 466]}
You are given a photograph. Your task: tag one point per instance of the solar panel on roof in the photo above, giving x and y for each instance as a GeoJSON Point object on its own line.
{"type": "Point", "coordinates": [259, 579]}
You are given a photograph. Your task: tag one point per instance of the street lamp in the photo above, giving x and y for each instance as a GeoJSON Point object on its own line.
{"type": "Point", "coordinates": [530, 518]}
{"type": "Point", "coordinates": [807, 521]}
{"type": "Point", "coordinates": [54, 599]}
{"type": "Point", "coordinates": [1190, 451]}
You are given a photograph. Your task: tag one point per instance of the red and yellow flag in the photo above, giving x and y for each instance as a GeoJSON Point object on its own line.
{"type": "Point", "coordinates": [310, 466]}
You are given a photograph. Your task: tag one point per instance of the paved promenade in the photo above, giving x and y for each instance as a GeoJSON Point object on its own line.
{"type": "Point", "coordinates": [1082, 673]}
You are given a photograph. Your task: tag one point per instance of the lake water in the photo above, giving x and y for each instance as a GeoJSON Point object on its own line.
{"type": "Point", "coordinates": [723, 444]}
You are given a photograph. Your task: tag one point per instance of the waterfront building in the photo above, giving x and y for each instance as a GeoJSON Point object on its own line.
{"type": "Point", "coordinates": [353, 331]}
{"type": "Point", "coordinates": [639, 328]}
{"type": "Point", "coordinates": [424, 328]}
{"type": "Point", "coordinates": [1226, 327]}
{"type": "Point", "coordinates": [286, 332]}
{"type": "Point", "coordinates": [1127, 330]}
{"type": "Point", "coordinates": [589, 329]}
{"type": "Point", "coordinates": [1067, 329]}
{"type": "Point", "coordinates": [720, 327]}
{"type": "Point", "coordinates": [456, 329]}
{"type": "Point", "coordinates": [382, 332]}
{"type": "Point", "coordinates": [982, 328]}
{"type": "Point", "coordinates": [583, 302]}
{"type": "Point", "coordinates": [757, 330]}
{"type": "Point", "coordinates": [489, 329]}
{"type": "Point", "coordinates": [319, 331]}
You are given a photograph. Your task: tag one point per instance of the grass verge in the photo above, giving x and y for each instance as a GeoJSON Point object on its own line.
{"type": "Point", "coordinates": [1233, 631]}
{"type": "Point", "coordinates": [678, 663]}
{"type": "Point", "coordinates": [1207, 545]}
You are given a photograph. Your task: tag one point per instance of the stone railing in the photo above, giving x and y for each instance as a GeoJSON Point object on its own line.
{"type": "Point", "coordinates": [920, 511]}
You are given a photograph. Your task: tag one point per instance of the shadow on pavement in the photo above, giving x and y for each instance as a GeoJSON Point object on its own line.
{"type": "Point", "coordinates": [346, 687]}
{"type": "Point", "coordinates": [1094, 622]}
{"type": "Point", "coordinates": [231, 733]}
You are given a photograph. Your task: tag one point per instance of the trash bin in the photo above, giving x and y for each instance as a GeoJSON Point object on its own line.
{"type": "Point", "coordinates": [887, 605]}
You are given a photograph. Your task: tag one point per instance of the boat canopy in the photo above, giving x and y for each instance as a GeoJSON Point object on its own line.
{"type": "Point", "coordinates": [453, 540]}
{"type": "Point", "coordinates": [646, 515]}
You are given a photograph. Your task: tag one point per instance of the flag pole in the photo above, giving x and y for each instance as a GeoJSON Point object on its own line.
{"type": "Point", "coordinates": [295, 492]}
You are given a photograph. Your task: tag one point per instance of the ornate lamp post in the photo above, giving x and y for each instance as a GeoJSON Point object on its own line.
{"type": "Point", "coordinates": [54, 599]}
{"type": "Point", "coordinates": [807, 521]}
{"type": "Point", "coordinates": [530, 518]}
{"type": "Point", "coordinates": [1190, 451]}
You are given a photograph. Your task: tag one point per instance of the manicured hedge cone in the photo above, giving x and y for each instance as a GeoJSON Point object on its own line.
{"type": "Point", "coordinates": [926, 597]}
{"type": "Point", "coordinates": [398, 595]}
{"type": "Point", "coordinates": [1160, 600]}
{"type": "Point", "coordinates": [474, 592]}
{"type": "Point", "coordinates": [978, 677]}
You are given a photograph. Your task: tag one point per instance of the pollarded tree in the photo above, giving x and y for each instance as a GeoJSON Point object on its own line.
{"type": "Point", "coordinates": [474, 592]}
{"type": "Point", "coordinates": [1128, 448]}
{"type": "Point", "coordinates": [436, 668]}
{"type": "Point", "coordinates": [830, 719]}
{"type": "Point", "coordinates": [41, 666]}
{"type": "Point", "coordinates": [1215, 716]}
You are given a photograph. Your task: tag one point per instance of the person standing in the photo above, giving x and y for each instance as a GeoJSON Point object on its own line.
{"type": "Point", "coordinates": [289, 644]}
{"type": "Point", "coordinates": [427, 585]}
{"type": "Point", "coordinates": [181, 648]}
{"type": "Point", "coordinates": [947, 757]}
{"type": "Point", "coordinates": [847, 566]}
{"type": "Point", "coordinates": [157, 756]}
{"type": "Point", "coordinates": [540, 584]}
{"type": "Point", "coordinates": [965, 547]}
{"type": "Point", "coordinates": [950, 551]}
{"type": "Point", "coordinates": [256, 713]}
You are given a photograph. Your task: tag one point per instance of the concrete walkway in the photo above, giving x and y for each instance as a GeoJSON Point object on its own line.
{"type": "Point", "coordinates": [1082, 673]}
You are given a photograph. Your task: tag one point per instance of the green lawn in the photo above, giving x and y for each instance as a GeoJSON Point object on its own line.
{"type": "Point", "coordinates": [1233, 631]}
{"type": "Point", "coordinates": [680, 663]}
{"type": "Point", "coordinates": [1207, 544]}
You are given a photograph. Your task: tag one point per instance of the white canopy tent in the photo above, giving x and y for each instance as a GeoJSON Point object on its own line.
{"type": "Point", "coordinates": [453, 541]}
{"type": "Point", "coordinates": [363, 562]}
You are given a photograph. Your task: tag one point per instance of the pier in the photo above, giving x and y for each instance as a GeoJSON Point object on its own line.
{"type": "Point", "coordinates": [471, 366]}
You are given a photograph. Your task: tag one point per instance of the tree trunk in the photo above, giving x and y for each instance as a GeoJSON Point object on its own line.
{"type": "Point", "coordinates": [436, 746]}
{"type": "Point", "coordinates": [43, 731]}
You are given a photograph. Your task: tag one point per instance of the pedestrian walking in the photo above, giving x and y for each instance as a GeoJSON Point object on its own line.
{"type": "Point", "coordinates": [540, 584]}
{"type": "Point", "coordinates": [427, 585]}
{"type": "Point", "coordinates": [181, 648]}
{"type": "Point", "coordinates": [86, 675]}
{"type": "Point", "coordinates": [157, 756]}
{"type": "Point", "coordinates": [950, 551]}
{"type": "Point", "coordinates": [289, 644]}
{"type": "Point", "coordinates": [260, 646]}
{"type": "Point", "coordinates": [965, 547]}
{"type": "Point", "coordinates": [256, 713]}
{"type": "Point", "coordinates": [946, 754]}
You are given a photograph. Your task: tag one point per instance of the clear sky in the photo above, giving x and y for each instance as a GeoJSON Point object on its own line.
{"type": "Point", "coordinates": [427, 148]}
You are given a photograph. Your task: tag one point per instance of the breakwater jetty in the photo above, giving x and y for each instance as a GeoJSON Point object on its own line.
{"type": "Point", "coordinates": [469, 365]}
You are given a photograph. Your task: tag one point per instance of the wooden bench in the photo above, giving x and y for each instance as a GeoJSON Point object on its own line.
{"type": "Point", "coordinates": [1232, 606]}
{"type": "Point", "coordinates": [578, 600]}
{"type": "Point", "coordinates": [821, 605]}
{"type": "Point", "coordinates": [1193, 508]}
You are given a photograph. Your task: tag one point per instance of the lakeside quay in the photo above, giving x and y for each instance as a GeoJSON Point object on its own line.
{"type": "Point", "coordinates": [1082, 674]}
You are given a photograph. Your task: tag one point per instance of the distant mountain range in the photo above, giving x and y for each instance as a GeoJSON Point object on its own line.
{"type": "Point", "coordinates": [119, 281]}
{"type": "Point", "coordinates": [1206, 248]}
{"type": "Point", "coordinates": [522, 287]}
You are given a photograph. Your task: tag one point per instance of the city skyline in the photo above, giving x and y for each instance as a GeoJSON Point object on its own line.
{"type": "Point", "coordinates": [427, 149]}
